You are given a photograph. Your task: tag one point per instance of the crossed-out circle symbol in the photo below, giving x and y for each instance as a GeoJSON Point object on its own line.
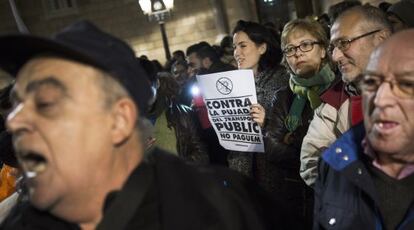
{"type": "Point", "coordinates": [224, 85]}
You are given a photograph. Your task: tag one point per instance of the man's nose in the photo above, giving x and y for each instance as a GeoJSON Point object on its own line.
{"type": "Point", "coordinates": [384, 95]}
{"type": "Point", "coordinates": [337, 54]}
{"type": "Point", "coordinates": [298, 53]}
{"type": "Point", "coordinates": [17, 120]}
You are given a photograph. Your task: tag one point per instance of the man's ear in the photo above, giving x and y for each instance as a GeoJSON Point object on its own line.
{"type": "Point", "coordinates": [381, 36]}
{"type": "Point", "coordinates": [323, 54]}
{"type": "Point", "coordinates": [125, 114]}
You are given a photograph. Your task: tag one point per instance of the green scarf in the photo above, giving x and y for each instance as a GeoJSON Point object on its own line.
{"type": "Point", "coordinates": [307, 89]}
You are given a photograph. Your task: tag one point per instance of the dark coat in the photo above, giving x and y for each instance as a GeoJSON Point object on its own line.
{"type": "Point", "coordinates": [190, 146]}
{"type": "Point", "coordinates": [254, 164]}
{"type": "Point", "coordinates": [345, 195]}
{"type": "Point", "coordinates": [282, 152]}
{"type": "Point", "coordinates": [166, 193]}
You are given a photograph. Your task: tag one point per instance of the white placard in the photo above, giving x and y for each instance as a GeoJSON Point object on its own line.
{"type": "Point", "coordinates": [228, 96]}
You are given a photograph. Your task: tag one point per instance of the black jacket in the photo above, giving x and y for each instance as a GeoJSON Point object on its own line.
{"type": "Point", "coordinates": [345, 194]}
{"type": "Point", "coordinates": [282, 152]}
{"type": "Point", "coordinates": [219, 66]}
{"type": "Point", "coordinates": [283, 148]}
{"type": "Point", "coordinates": [187, 131]}
{"type": "Point", "coordinates": [166, 193]}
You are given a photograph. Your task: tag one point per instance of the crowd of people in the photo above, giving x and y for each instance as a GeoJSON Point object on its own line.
{"type": "Point", "coordinates": [335, 103]}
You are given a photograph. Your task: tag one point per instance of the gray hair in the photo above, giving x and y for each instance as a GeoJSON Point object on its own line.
{"type": "Point", "coordinates": [374, 18]}
{"type": "Point", "coordinates": [113, 91]}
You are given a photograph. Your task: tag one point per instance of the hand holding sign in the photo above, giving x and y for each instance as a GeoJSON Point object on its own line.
{"type": "Point", "coordinates": [232, 107]}
{"type": "Point", "coordinates": [258, 114]}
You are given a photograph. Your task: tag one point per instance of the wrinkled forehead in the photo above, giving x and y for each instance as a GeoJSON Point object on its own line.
{"type": "Point", "coordinates": [392, 58]}
{"type": "Point", "coordinates": [32, 70]}
{"type": "Point", "coordinates": [70, 74]}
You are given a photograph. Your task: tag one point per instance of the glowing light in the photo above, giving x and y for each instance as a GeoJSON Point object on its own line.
{"type": "Point", "coordinates": [195, 90]}
{"type": "Point", "coordinates": [169, 4]}
{"type": "Point", "coordinates": [31, 174]}
{"type": "Point", "coordinates": [145, 6]}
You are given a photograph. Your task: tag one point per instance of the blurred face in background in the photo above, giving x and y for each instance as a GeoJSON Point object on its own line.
{"type": "Point", "coordinates": [246, 52]}
{"type": "Point", "coordinates": [303, 53]}
{"type": "Point", "coordinates": [180, 73]}
{"type": "Point", "coordinates": [178, 57]}
{"type": "Point", "coordinates": [194, 64]}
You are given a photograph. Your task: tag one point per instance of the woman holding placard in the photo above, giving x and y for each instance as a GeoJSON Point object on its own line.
{"type": "Point", "coordinates": [305, 56]}
{"type": "Point", "coordinates": [256, 48]}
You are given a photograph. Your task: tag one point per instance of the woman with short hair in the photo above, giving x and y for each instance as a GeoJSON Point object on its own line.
{"type": "Point", "coordinates": [304, 44]}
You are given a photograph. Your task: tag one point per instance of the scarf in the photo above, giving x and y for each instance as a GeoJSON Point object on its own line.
{"type": "Point", "coordinates": [307, 89]}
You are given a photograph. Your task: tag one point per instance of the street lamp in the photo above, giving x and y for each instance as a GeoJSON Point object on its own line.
{"type": "Point", "coordinates": [159, 10]}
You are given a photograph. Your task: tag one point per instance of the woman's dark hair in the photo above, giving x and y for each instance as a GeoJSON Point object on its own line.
{"type": "Point", "coordinates": [259, 34]}
{"type": "Point", "coordinates": [149, 68]}
{"type": "Point", "coordinates": [169, 87]}
{"type": "Point", "coordinates": [227, 41]}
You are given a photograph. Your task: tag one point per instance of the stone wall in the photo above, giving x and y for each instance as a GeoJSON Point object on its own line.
{"type": "Point", "coordinates": [7, 24]}
{"type": "Point", "coordinates": [327, 3]}
{"type": "Point", "coordinates": [192, 21]}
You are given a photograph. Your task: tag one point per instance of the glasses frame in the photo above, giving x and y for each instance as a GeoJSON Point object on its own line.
{"type": "Point", "coordinates": [312, 43]}
{"type": "Point", "coordinates": [348, 42]}
{"type": "Point", "coordinates": [394, 84]}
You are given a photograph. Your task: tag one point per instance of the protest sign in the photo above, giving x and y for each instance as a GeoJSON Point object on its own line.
{"type": "Point", "coordinates": [228, 96]}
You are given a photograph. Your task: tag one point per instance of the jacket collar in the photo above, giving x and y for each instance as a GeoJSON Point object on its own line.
{"type": "Point", "coordinates": [335, 95]}
{"type": "Point", "coordinates": [345, 150]}
{"type": "Point", "coordinates": [346, 156]}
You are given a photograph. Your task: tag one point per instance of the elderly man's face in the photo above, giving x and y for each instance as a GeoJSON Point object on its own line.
{"type": "Point", "coordinates": [389, 110]}
{"type": "Point", "coordinates": [61, 131]}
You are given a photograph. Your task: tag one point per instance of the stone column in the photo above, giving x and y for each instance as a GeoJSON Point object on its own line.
{"type": "Point", "coordinates": [317, 7]}
{"type": "Point", "coordinates": [303, 8]}
{"type": "Point", "coordinates": [220, 17]}
{"type": "Point", "coordinates": [19, 21]}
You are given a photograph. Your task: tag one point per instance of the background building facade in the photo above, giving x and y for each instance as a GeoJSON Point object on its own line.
{"type": "Point", "coordinates": [191, 20]}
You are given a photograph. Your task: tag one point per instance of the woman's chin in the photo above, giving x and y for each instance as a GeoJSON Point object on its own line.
{"type": "Point", "coordinates": [304, 73]}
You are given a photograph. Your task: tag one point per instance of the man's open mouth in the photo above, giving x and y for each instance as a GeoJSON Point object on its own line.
{"type": "Point", "coordinates": [32, 163]}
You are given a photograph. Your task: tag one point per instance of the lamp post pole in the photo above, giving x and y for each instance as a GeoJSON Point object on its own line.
{"type": "Point", "coordinates": [159, 10]}
{"type": "Point", "coordinates": [165, 40]}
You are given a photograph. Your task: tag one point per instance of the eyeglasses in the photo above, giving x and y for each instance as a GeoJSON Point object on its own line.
{"type": "Point", "coordinates": [401, 87]}
{"type": "Point", "coordinates": [304, 46]}
{"type": "Point", "coordinates": [344, 44]}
